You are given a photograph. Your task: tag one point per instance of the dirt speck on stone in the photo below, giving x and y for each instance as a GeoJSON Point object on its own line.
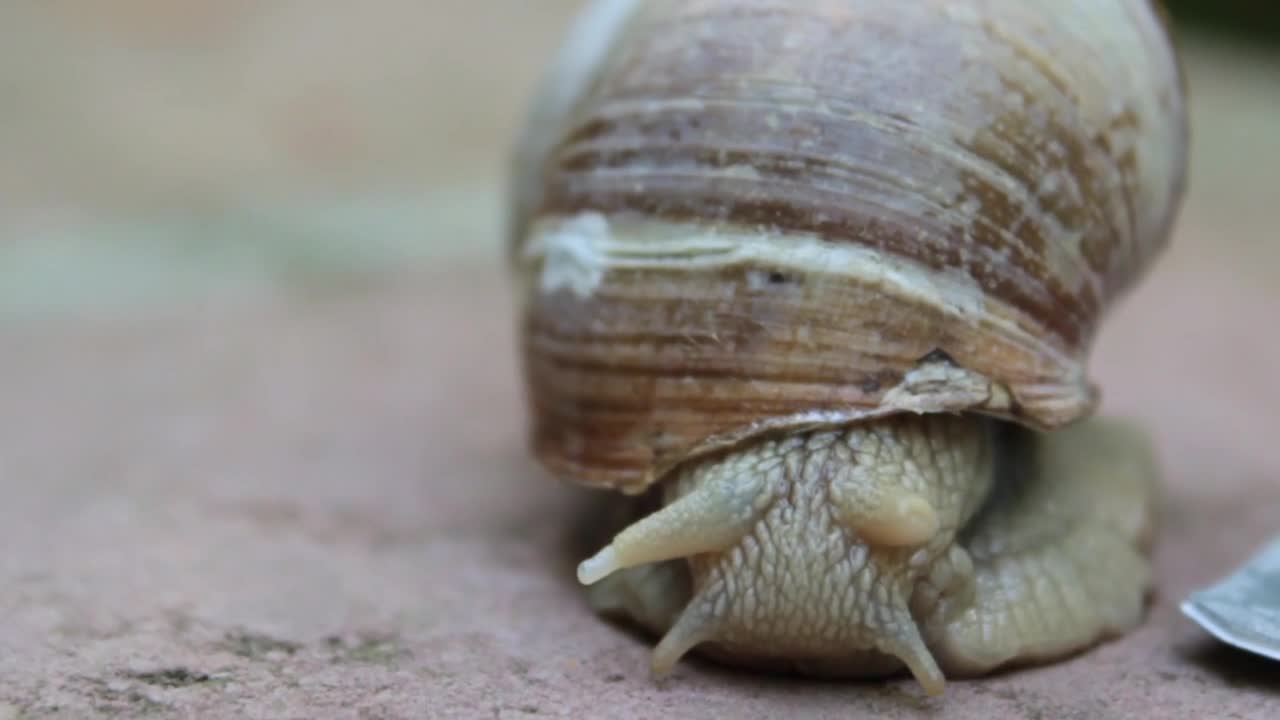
{"type": "Point", "coordinates": [175, 677]}
{"type": "Point", "coordinates": [257, 646]}
{"type": "Point", "coordinates": [366, 648]}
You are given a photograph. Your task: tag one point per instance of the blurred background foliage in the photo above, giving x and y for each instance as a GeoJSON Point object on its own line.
{"type": "Point", "coordinates": [151, 149]}
{"type": "Point", "coordinates": [1250, 21]}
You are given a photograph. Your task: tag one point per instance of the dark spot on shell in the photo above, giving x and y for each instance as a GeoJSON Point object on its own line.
{"type": "Point", "coordinates": [870, 384]}
{"type": "Point", "coordinates": [777, 278]}
{"type": "Point", "coordinates": [936, 355]}
{"type": "Point", "coordinates": [591, 130]}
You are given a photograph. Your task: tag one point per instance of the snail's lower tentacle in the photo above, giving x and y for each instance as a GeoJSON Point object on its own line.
{"type": "Point", "coordinates": [902, 640]}
{"type": "Point", "coordinates": [696, 625]}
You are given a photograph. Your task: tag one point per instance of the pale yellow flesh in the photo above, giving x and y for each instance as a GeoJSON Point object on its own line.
{"type": "Point", "coordinates": [929, 542]}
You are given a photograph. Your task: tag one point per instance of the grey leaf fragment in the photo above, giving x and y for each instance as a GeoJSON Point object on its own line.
{"type": "Point", "coordinates": [1243, 609]}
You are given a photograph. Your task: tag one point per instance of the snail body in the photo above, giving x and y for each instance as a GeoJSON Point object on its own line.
{"type": "Point", "coordinates": [821, 279]}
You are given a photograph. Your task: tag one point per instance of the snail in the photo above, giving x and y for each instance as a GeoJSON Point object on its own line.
{"type": "Point", "coordinates": [811, 287]}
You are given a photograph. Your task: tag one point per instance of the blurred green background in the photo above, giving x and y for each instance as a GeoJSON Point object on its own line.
{"type": "Point", "coordinates": [160, 149]}
{"type": "Point", "coordinates": [1253, 21]}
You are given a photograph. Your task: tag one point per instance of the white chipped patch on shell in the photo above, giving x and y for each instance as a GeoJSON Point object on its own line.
{"type": "Point", "coordinates": [578, 252]}
{"type": "Point", "coordinates": [574, 254]}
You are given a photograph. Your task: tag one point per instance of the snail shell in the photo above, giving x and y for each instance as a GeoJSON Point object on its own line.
{"type": "Point", "coordinates": [739, 217]}
{"type": "Point", "coordinates": [825, 276]}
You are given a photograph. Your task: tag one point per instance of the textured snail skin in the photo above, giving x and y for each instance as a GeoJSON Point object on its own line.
{"type": "Point", "coordinates": [742, 227]}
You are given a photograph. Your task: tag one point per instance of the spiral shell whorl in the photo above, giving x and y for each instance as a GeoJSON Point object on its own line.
{"type": "Point", "coordinates": [753, 213]}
